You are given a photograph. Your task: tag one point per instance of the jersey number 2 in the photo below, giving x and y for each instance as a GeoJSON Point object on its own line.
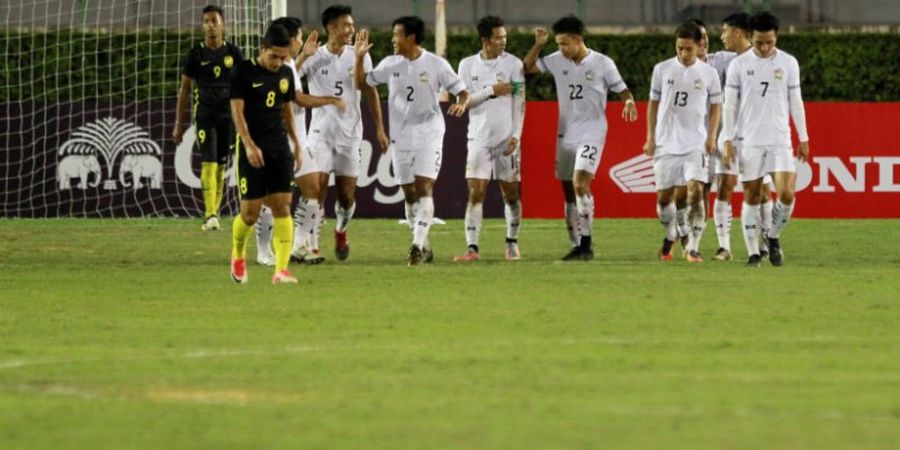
{"type": "Point", "coordinates": [589, 153]}
{"type": "Point", "coordinates": [575, 92]}
{"type": "Point", "coordinates": [409, 96]}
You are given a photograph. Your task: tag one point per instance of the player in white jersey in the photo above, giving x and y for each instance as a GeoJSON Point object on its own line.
{"type": "Point", "coordinates": [761, 92]}
{"type": "Point", "coordinates": [684, 93]}
{"type": "Point", "coordinates": [496, 115]}
{"type": "Point", "coordinates": [415, 78]}
{"type": "Point", "coordinates": [308, 184]}
{"type": "Point", "coordinates": [736, 40]}
{"type": "Point", "coordinates": [335, 136]}
{"type": "Point", "coordinates": [583, 77]}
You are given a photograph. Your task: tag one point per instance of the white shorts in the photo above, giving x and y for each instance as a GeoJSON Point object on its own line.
{"type": "Point", "coordinates": [735, 167]}
{"type": "Point", "coordinates": [585, 157]}
{"type": "Point", "coordinates": [676, 170]}
{"type": "Point", "coordinates": [489, 163]}
{"type": "Point", "coordinates": [343, 160]}
{"type": "Point", "coordinates": [409, 164]}
{"type": "Point", "coordinates": [757, 162]}
{"type": "Point", "coordinates": [310, 163]}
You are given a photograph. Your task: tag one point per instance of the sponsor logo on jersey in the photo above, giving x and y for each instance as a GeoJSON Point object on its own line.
{"type": "Point", "coordinates": [749, 73]}
{"type": "Point", "coordinates": [256, 85]}
{"type": "Point", "coordinates": [204, 63]}
{"type": "Point", "coordinates": [229, 61]}
{"type": "Point", "coordinates": [283, 85]}
{"type": "Point", "coordinates": [670, 82]}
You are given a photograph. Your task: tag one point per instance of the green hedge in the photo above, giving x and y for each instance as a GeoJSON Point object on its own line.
{"type": "Point", "coordinates": [71, 65]}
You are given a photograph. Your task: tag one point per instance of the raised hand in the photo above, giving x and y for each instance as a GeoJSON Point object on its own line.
{"type": "Point", "coordinates": [311, 45]}
{"type": "Point", "coordinates": [362, 44]}
{"type": "Point", "coordinates": [541, 36]}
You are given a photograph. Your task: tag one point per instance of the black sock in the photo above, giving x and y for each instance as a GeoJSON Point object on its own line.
{"type": "Point", "coordinates": [511, 241]}
{"type": "Point", "coordinates": [473, 248]}
{"type": "Point", "coordinates": [585, 242]}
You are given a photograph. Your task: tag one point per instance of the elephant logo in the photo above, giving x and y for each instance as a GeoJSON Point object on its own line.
{"type": "Point", "coordinates": [140, 167]}
{"type": "Point", "coordinates": [108, 139]}
{"type": "Point", "coordinates": [80, 167]}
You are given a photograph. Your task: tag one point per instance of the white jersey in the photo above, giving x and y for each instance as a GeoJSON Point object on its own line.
{"type": "Point", "coordinates": [491, 122]}
{"type": "Point", "coordinates": [581, 91]}
{"type": "Point", "coordinates": [299, 111]}
{"type": "Point", "coordinates": [763, 85]}
{"type": "Point", "coordinates": [684, 94]}
{"type": "Point", "coordinates": [330, 75]}
{"type": "Point", "coordinates": [414, 87]}
{"type": "Point", "coordinates": [720, 62]}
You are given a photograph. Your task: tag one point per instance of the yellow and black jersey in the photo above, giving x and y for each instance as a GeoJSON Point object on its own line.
{"type": "Point", "coordinates": [209, 68]}
{"type": "Point", "coordinates": [264, 93]}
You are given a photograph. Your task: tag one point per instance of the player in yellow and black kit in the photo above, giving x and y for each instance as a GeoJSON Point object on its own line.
{"type": "Point", "coordinates": [261, 93]}
{"type": "Point", "coordinates": [208, 65]}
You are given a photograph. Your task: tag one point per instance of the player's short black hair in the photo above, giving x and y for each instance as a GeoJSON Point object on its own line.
{"type": "Point", "coordinates": [411, 25]}
{"type": "Point", "coordinates": [291, 24]}
{"type": "Point", "coordinates": [487, 24]}
{"type": "Point", "coordinates": [569, 25]}
{"type": "Point", "coordinates": [277, 36]}
{"type": "Point", "coordinates": [333, 12]}
{"type": "Point", "coordinates": [738, 20]}
{"type": "Point", "coordinates": [689, 30]}
{"type": "Point", "coordinates": [215, 9]}
{"type": "Point", "coordinates": [697, 21]}
{"type": "Point", "coordinates": [762, 22]}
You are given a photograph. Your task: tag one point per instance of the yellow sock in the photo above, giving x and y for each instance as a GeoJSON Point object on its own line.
{"type": "Point", "coordinates": [240, 235]}
{"type": "Point", "coordinates": [282, 237]}
{"type": "Point", "coordinates": [208, 183]}
{"type": "Point", "coordinates": [220, 185]}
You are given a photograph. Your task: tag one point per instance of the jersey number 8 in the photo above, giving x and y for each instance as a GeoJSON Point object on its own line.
{"type": "Point", "coordinates": [270, 99]}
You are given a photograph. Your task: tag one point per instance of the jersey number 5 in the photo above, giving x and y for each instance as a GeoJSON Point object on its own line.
{"type": "Point", "coordinates": [339, 88]}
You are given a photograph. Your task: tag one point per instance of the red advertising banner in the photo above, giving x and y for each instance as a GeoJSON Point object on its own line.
{"type": "Point", "coordinates": [853, 172]}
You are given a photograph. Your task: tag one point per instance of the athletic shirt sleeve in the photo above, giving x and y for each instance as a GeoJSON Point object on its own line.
{"type": "Point", "coordinates": [714, 87]}
{"type": "Point", "coordinates": [236, 53]}
{"type": "Point", "coordinates": [294, 85]}
{"type": "Point", "coordinates": [733, 77]}
{"type": "Point", "coordinates": [613, 78]}
{"type": "Point", "coordinates": [546, 64]}
{"type": "Point", "coordinates": [449, 80]}
{"type": "Point", "coordinates": [518, 71]}
{"type": "Point", "coordinates": [794, 75]}
{"type": "Point", "coordinates": [380, 74]}
{"type": "Point", "coordinates": [656, 83]}
{"type": "Point", "coordinates": [191, 65]}
{"type": "Point", "coordinates": [236, 81]}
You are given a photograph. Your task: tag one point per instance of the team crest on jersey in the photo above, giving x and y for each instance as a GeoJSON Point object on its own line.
{"type": "Point", "coordinates": [501, 78]}
{"type": "Point", "coordinates": [423, 77]}
{"type": "Point", "coordinates": [283, 85]}
{"type": "Point", "coordinates": [698, 84]}
{"type": "Point", "coordinates": [589, 75]}
{"type": "Point", "coordinates": [779, 74]}
{"type": "Point", "coordinates": [229, 61]}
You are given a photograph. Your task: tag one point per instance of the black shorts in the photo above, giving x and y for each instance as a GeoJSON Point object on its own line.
{"type": "Point", "coordinates": [273, 177]}
{"type": "Point", "coordinates": [215, 136]}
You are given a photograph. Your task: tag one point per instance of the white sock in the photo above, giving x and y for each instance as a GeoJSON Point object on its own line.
{"type": "Point", "coordinates": [474, 216]}
{"type": "Point", "coordinates": [681, 221]}
{"type": "Point", "coordinates": [513, 213]}
{"type": "Point", "coordinates": [343, 216]}
{"type": "Point", "coordinates": [410, 211]}
{"type": "Point", "coordinates": [697, 217]}
{"type": "Point", "coordinates": [781, 216]}
{"type": "Point", "coordinates": [316, 232]}
{"type": "Point", "coordinates": [667, 219]}
{"type": "Point", "coordinates": [722, 212]}
{"type": "Point", "coordinates": [424, 215]}
{"type": "Point", "coordinates": [572, 223]}
{"type": "Point", "coordinates": [585, 215]}
{"type": "Point", "coordinates": [264, 226]}
{"type": "Point", "coordinates": [304, 221]}
{"type": "Point", "coordinates": [765, 217]}
{"type": "Point", "coordinates": [750, 224]}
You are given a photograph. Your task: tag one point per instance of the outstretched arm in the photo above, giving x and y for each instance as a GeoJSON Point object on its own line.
{"type": "Point", "coordinates": [540, 40]}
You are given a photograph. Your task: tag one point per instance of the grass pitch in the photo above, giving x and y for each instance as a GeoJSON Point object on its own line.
{"type": "Point", "coordinates": [129, 334]}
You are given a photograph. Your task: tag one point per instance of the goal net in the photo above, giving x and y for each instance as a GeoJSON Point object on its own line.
{"type": "Point", "coordinates": [87, 102]}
